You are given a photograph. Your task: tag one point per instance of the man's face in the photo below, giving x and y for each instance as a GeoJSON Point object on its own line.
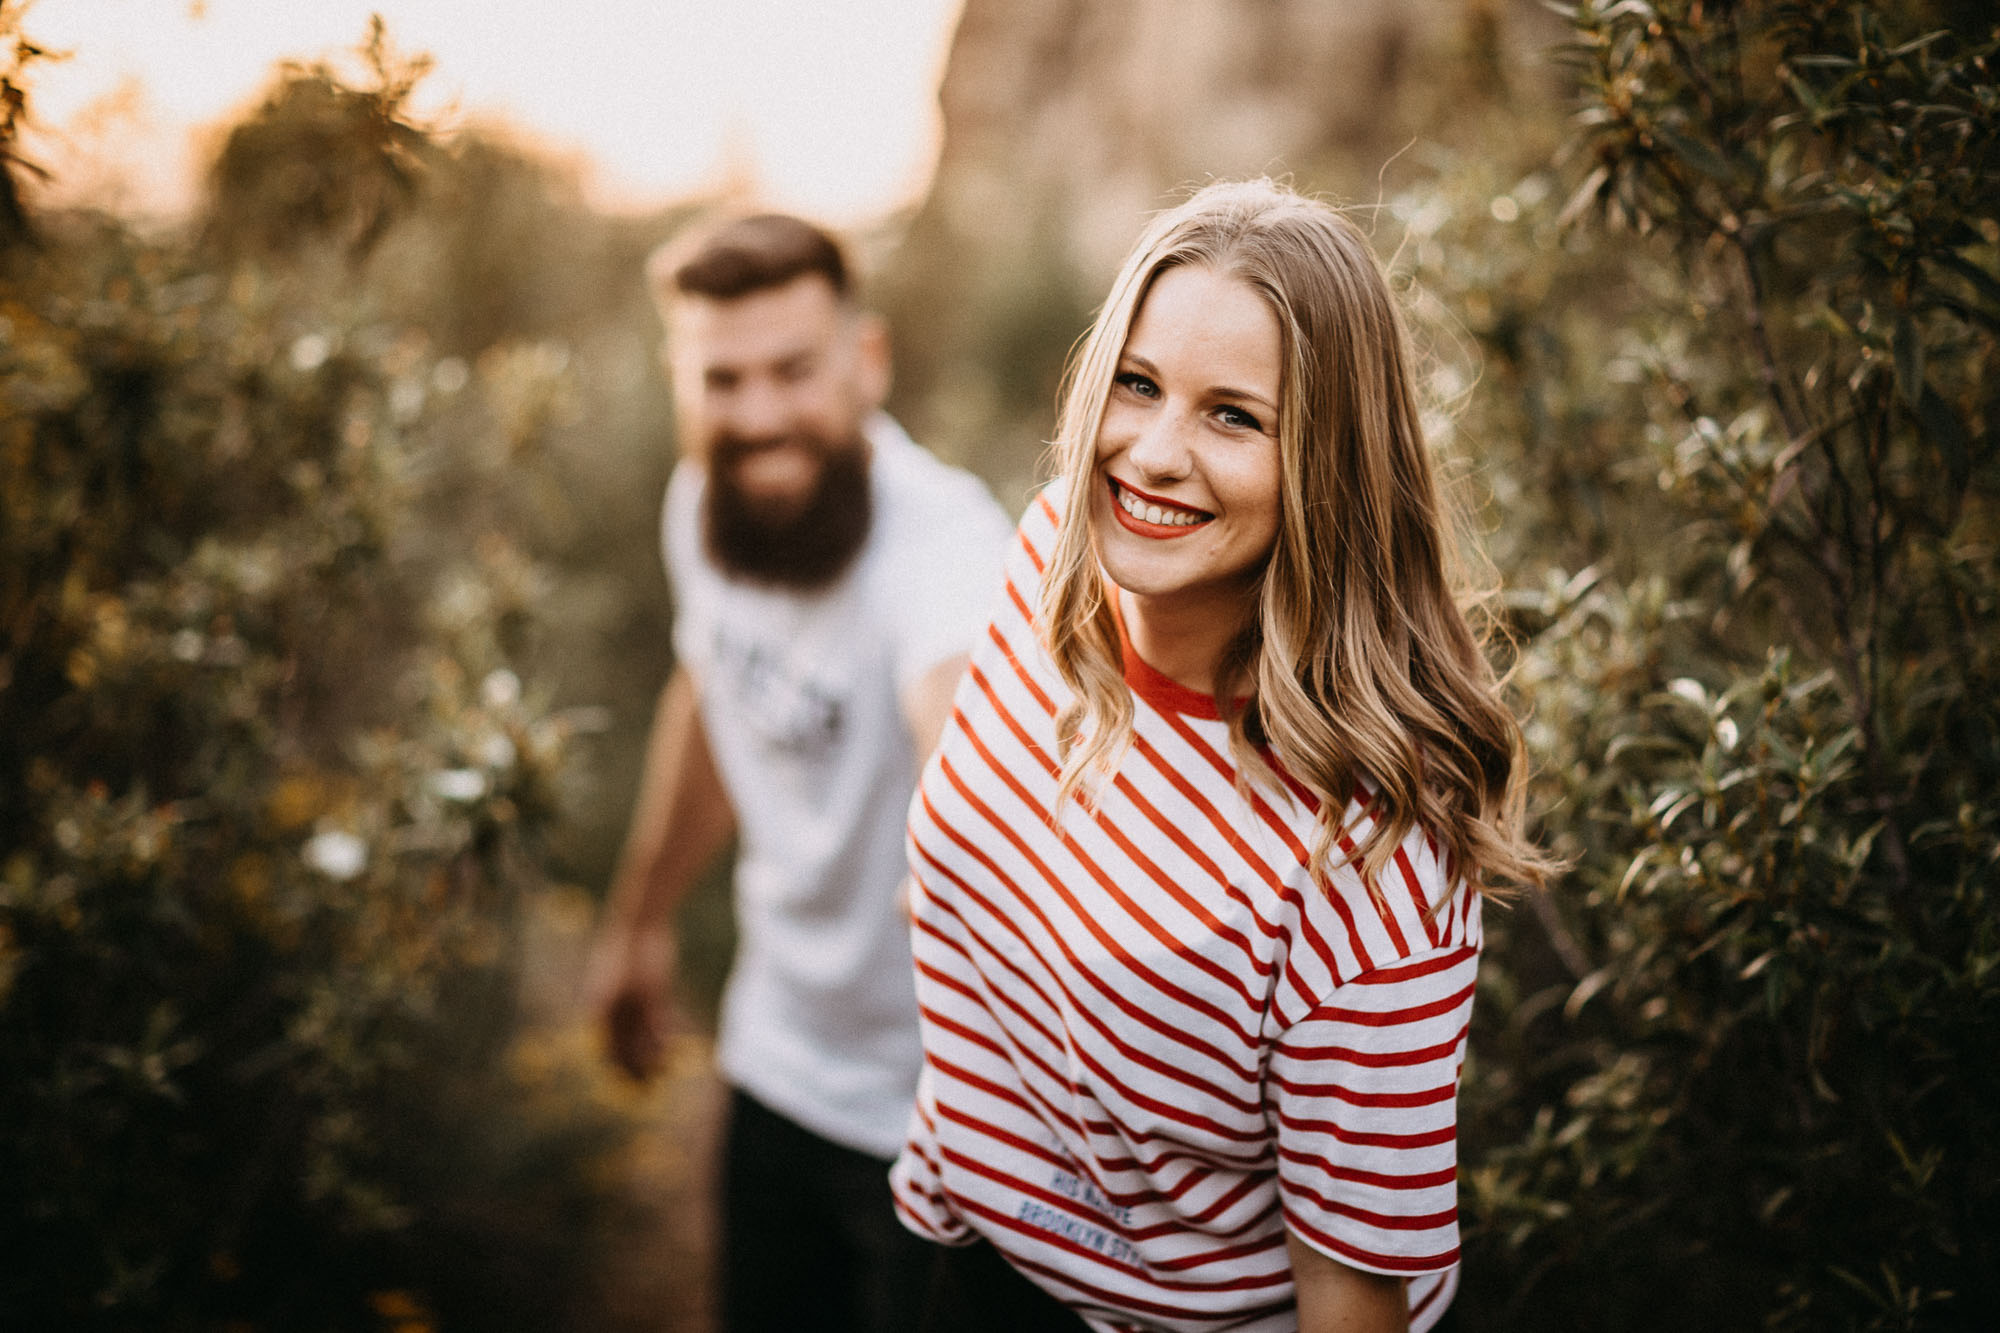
{"type": "Point", "coordinates": [771, 390]}
{"type": "Point", "coordinates": [768, 384]}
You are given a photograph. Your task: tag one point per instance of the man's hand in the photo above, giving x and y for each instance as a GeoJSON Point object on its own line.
{"type": "Point", "coordinates": [628, 985]}
{"type": "Point", "coordinates": [679, 822]}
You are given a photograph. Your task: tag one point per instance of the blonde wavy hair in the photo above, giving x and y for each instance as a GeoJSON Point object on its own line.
{"type": "Point", "coordinates": [1358, 661]}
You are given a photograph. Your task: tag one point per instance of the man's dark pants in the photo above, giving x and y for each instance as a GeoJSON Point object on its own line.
{"type": "Point", "coordinates": [810, 1238]}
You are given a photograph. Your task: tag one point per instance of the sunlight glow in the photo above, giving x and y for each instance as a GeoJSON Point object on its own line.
{"type": "Point", "coordinates": [825, 106]}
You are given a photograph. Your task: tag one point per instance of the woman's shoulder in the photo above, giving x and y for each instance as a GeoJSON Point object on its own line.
{"type": "Point", "coordinates": [1041, 521]}
{"type": "Point", "coordinates": [1415, 904]}
{"type": "Point", "coordinates": [1034, 541]}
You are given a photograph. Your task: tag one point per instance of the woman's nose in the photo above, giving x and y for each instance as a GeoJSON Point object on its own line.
{"type": "Point", "coordinates": [1160, 449]}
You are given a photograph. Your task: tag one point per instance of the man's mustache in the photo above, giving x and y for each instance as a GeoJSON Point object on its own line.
{"type": "Point", "coordinates": [729, 448]}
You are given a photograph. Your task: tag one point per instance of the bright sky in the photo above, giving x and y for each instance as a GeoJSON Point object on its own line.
{"type": "Point", "coordinates": [828, 106]}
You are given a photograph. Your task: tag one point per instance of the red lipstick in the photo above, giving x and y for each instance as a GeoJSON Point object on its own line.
{"type": "Point", "coordinates": [1156, 531]}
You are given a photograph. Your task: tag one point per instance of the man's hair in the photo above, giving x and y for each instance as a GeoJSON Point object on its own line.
{"type": "Point", "coordinates": [742, 255]}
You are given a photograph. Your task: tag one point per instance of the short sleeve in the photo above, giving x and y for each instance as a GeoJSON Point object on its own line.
{"type": "Point", "coordinates": [940, 586]}
{"type": "Point", "coordinates": [680, 551]}
{"type": "Point", "coordinates": [1365, 1090]}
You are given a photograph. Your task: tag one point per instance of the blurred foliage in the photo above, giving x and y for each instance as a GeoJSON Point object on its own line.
{"type": "Point", "coordinates": [20, 56]}
{"type": "Point", "coordinates": [322, 161]}
{"type": "Point", "coordinates": [1736, 427]}
{"type": "Point", "coordinates": [490, 258]}
{"type": "Point", "coordinates": [274, 796]}
{"type": "Point", "coordinates": [977, 375]}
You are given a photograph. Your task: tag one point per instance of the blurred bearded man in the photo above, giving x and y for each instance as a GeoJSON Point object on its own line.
{"type": "Point", "coordinates": [829, 576]}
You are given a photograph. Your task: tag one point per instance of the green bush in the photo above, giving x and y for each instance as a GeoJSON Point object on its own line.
{"type": "Point", "coordinates": [271, 789]}
{"type": "Point", "coordinates": [1738, 424]}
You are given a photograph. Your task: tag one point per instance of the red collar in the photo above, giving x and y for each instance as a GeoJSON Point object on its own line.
{"type": "Point", "coordinates": [1155, 687]}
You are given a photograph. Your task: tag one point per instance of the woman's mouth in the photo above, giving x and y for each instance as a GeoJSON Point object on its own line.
{"type": "Point", "coordinates": [1151, 516]}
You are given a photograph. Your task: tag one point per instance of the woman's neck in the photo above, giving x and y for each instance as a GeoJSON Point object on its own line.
{"type": "Point", "coordinates": [1182, 640]}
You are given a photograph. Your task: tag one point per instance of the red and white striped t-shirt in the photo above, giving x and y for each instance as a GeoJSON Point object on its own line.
{"type": "Point", "coordinates": [1151, 1042]}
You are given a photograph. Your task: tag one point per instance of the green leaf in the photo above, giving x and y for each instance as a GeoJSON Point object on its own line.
{"type": "Point", "coordinates": [1909, 353]}
{"type": "Point", "coordinates": [1689, 690]}
{"type": "Point", "coordinates": [1645, 858]}
{"type": "Point", "coordinates": [1586, 988]}
{"type": "Point", "coordinates": [1586, 194]}
{"type": "Point", "coordinates": [1807, 98]}
{"type": "Point", "coordinates": [1983, 282]}
{"type": "Point", "coordinates": [1873, 1296]}
{"type": "Point", "coordinates": [1677, 809]}
{"type": "Point", "coordinates": [1630, 743]}
{"type": "Point", "coordinates": [1946, 433]}
{"type": "Point", "coordinates": [1696, 154]}
{"type": "Point", "coordinates": [1917, 43]}
{"type": "Point", "coordinates": [1756, 965]}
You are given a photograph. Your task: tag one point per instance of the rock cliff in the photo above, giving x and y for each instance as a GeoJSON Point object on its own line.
{"type": "Point", "coordinates": [1067, 121]}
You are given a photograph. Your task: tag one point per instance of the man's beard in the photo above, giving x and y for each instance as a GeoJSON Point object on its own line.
{"type": "Point", "coordinates": [810, 545]}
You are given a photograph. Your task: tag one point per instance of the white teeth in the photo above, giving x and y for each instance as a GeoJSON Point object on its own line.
{"type": "Point", "coordinates": [1152, 513]}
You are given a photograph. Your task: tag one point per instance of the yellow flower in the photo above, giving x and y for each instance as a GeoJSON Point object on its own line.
{"type": "Point", "coordinates": [250, 878]}
{"type": "Point", "coordinates": [402, 1308]}
{"type": "Point", "coordinates": [297, 801]}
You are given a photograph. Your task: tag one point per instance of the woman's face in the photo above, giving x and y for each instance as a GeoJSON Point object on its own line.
{"type": "Point", "coordinates": [1187, 476]}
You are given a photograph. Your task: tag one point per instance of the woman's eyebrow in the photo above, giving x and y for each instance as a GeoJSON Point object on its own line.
{"type": "Point", "coordinates": [1248, 395]}
{"type": "Point", "coordinates": [1214, 390]}
{"type": "Point", "coordinates": [1141, 364]}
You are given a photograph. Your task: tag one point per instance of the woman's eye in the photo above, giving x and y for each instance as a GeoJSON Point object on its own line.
{"type": "Point", "coordinates": [1236, 416]}
{"type": "Point", "coordinates": [1137, 383]}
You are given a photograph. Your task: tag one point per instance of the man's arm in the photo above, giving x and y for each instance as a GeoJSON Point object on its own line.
{"type": "Point", "coordinates": [927, 705]}
{"type": "Point", "coordinates": [681, 820]}
{"type": "Point", "coordinates": [1334, 1298]}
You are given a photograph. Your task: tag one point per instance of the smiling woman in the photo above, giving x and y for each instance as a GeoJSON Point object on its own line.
{"type": "Point", "coordinates": [1196, 873]}
{"type": "Point", "coordinates": [1187, 511]}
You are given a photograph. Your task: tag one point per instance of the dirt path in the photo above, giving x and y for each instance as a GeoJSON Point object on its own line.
{"type": "Point", "coordinates": [652, 1274]}
{"type": "Point", "coordinates": [656, 1278]}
